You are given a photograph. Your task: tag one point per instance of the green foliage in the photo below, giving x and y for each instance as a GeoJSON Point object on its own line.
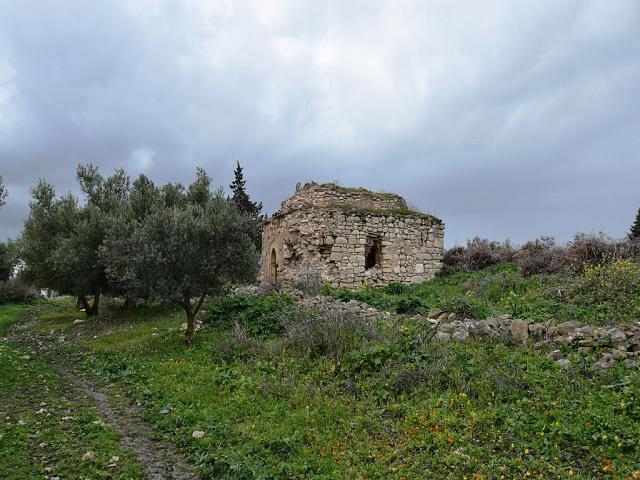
{"type": "Point", "coordinates": [611, 290]}
{"type": "Point", "coordinates": [46, 426]}
{"type": "Point", "coordinates": [602, 294]}
{"type": "Point", "coordinates": [634, 232]}
{"type": "Point", "coordinates": [261, 316]}
{"type": "Point", "coordinates": [61, 237]}
{"type": "Point", "coordinates": [181, 252]}
{"type": "Point", "coordinates": [137, 240]}
{"type": "Point", "coordinates": [240, 198]}
{"type": "Point", "coordinates": [6, 262]}
{"type": "Point", "coordinates": [396, 406]}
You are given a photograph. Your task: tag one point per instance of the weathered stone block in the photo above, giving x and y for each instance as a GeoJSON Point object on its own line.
{"type": "Point", "coordinates": [520, 329]}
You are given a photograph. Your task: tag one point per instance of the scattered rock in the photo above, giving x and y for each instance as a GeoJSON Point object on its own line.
{"type": "Point", "coordinates": [78, 321]}
{"type": "Point", "coordinates": [555, 355]}
{"type": "Point", "coordinates": [460, 335]}
{"type": "Point", "coordinates": [564, 363]}
{"type": "Point", "coordinates": [567, 327]}
{"type": "Point", "coordinates": [617, 336]}
{"type": "Point", "coordinates": [88, 456]}
{"type": "Point", "coordinates": [520, 330]}
{"type": "Point", "coordinates": [605, 362]}
{"type": "Point", "coordinates": [537, 330]}
{"type": "Point", "coordinates": [197, 434]}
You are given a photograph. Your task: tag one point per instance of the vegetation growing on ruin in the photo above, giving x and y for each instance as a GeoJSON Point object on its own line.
{"type": "Point", "coordinates": [381, 211]}
{"type": "Point", "coordinates": [359, 190]}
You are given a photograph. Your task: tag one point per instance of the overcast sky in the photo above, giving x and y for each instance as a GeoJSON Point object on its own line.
{"type": "Point", "coordinates": [506, 119]}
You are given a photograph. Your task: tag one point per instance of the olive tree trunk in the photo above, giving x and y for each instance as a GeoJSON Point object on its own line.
{"type": "Point", "coordinates": [93, 309]}
{"type": "Point", "coordinates": [191, 310]}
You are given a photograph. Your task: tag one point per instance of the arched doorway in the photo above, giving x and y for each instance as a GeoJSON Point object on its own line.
{"type": "Point", "coordinates": [273, 270]}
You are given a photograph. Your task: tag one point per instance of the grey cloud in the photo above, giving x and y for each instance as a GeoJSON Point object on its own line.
{"type": "Point", "coordinates": [506, 119]}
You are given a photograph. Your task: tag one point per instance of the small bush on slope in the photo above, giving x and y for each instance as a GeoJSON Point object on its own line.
{"type": "Point", "coordinates": [610, 290]}
{"type": "Point", "coordinates": [259, 315]}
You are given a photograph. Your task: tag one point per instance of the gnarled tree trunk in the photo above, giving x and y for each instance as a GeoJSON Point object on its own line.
{"type": "Point", "coordinates": [91, 310]}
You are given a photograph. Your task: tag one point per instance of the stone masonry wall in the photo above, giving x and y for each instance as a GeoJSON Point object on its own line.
{"type": "Point", "coordinates": [334, 242]}
{"type": "Point", "coordinates": [327, 195]}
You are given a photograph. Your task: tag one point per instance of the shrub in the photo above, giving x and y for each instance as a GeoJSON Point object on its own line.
{"type": "Point", "coordinates": [478, 254]}
{"type": "Point", "coordinates": [611, 290]}
{"type": "Point", "coordinates": [259, 315]}
{"type": "Point", "coordinates": [627, 248]}
{"type": "Point", "coordinates": [466, 306]}
{"type": "Point", "coordinates": [17, 291]}
{"type": "Point", "coordinates": [589, 249]}
{"type": "Point", "coordinates": [540, 256]}
{"type": "Point", "coordinates": [309, 280]}
{"type": "Point", "coordinates": [327, 332]}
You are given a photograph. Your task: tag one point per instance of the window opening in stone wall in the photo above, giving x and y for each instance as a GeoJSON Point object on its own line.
{"type": "Point", "coordinates": [372, 253]}
{"type": "Point", "coordinates": [273, 271]}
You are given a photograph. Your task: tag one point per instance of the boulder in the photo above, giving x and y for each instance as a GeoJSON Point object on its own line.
{"type": "Point", "coordinates": [520, 330]}
{"type": "Point", "coordinates": [537, 330]}
{"type": "Point", "coordinates": [460, 335]}
{"type": "Point", "coordinates": [567, 327]}
{"type": "Point", "coordinates": [555, 355]}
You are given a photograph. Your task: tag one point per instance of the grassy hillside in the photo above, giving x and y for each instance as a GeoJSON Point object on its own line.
{"type": "Point", "coordinates": [46, 429]}
{"type": "Point", "coordinates": [281, 393]}
{"type": "Point", "coordinates": [601, 294]}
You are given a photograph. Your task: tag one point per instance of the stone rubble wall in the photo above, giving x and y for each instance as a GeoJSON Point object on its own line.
{"type": "Point", "coordinates": [599, 346]}
{"type": "Point", "coordinates": [332, 241]}
{"type": "Point", "coordinates": [565, 343]}
{"type": "Point", "coordinates": [329, 195]}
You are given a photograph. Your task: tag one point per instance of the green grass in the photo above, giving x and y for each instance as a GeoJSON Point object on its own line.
{"type": "Point", "coordinates": [45, 428]}
{"type": "Point", "coordinates": [391, 407]}
{"type": "Point", "coordinates": [593, 297]}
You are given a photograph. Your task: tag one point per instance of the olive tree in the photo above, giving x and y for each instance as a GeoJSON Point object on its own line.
{"type": "Point", "coordinates": [186, 246]}
{"type": "Point", "coordinates": [61, 237]}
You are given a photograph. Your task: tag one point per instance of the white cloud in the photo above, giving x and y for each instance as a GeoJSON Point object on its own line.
{"type": "Point", "coordinates": [141, 160]}
{"type": "Point", "coordinates": [420, 97]}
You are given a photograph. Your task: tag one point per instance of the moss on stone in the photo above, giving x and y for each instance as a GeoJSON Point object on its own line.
{"type": "Point", "coordinates": [379, 211]}
{"type": "Point", "coordinates": [360, 190]}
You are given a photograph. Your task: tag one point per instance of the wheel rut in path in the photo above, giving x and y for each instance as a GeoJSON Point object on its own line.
{"type": "Point", "coordinates": [161, 461]}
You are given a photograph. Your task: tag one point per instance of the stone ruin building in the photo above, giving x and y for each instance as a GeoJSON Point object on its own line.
{"type": "Point", "coordinates": [350, 236]}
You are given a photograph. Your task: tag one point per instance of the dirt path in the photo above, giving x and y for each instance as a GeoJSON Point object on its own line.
{"type": "Point", "coordinates": [160, 460]}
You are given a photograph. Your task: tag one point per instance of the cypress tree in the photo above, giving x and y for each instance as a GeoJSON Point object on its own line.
{"type": "Point", "coordinates": [635, 228]}
{"type": "Point", "coordinates": [240, 197]}
{"type": "Point", "coordinates": [244, 204]}
{"type": "Point", "coordinates": [3, 193]}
